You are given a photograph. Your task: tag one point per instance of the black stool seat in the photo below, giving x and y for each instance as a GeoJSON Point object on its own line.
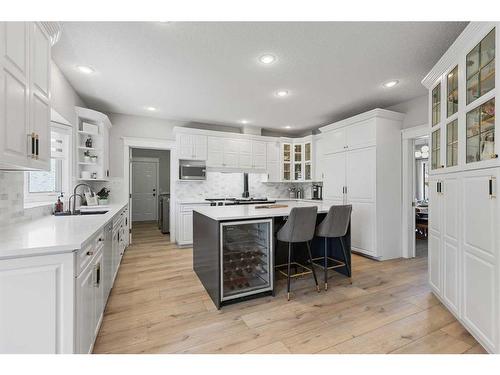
{"type": "Point", "coordinates": [298, 228]}
{"type": "Point", "coordinates": [334, 225]}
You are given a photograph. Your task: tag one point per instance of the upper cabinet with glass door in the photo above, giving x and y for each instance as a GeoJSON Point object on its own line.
{"type": "Point", "coordinates": [480, 72]}
{"type": "Point", "coordinates": [287, 161]}
{"type": "Point", "coordinates": [308, 161]}
{"type": "Point", "coordinates": [436, 104]}
{"type": "Point", "coordinates": [452, 92]}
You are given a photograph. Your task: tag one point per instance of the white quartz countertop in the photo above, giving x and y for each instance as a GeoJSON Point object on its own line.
{"type": "Point", "coordinates": [52, 234]}
{"type": "Point", "coordinates": [239, 212]}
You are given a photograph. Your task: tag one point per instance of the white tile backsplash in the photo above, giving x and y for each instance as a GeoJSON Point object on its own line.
{"type": "Point", "coordinates": [220, 185]}
{"type": "Point", "coordinates": [12, 200]}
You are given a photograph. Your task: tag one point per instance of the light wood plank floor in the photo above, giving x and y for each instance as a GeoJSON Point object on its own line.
{"type": "Point", "coordinates": [158, 305]}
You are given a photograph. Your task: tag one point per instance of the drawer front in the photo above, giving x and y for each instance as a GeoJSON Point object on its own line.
{"type": "Point", "coordinates": [191, 207]}
{"type": "Point", "coordinates": [88, 251]}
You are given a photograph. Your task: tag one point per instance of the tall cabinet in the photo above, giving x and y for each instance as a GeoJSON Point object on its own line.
{"type": "Point", "coordinates": [464, 235]}
{"type": "Point", "coordinates": [25, 58]}
{"type": "Point", "coordinates": [359, 162]}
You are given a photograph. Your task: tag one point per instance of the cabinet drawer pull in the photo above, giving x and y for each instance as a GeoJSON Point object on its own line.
{"type": "Point", "coordinates": [97, 275]}
{"type": "Point", "coordinates": [31, 146]}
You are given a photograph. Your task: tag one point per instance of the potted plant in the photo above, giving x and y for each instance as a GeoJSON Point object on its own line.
{"type": "Point", "coordinates": [93, 158]}
{"type": "Point", "coordinates": [102, 196]}
{"type": "Point", "coordinates": [86, 156]}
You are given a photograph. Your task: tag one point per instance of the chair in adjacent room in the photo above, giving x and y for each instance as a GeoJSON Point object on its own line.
{"type": "Point", "coordinates": [334, 226]}
{"type": "Point", "coordinates": [299, 228]}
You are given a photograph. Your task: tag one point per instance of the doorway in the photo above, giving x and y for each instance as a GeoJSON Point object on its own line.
{"type": "Point", "coordinates": [415, 174]}
{"type": "Point", "coordinates": [421, 195]}
{"type": "Point", "coordinates": [150, 175]}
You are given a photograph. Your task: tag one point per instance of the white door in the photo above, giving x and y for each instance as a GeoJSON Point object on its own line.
{"type": "Point", "coordinates": [259, 154]}
{"type": "Point", "coordinates": [144, 190]}
{"type": "Point", "coordinates": [361, 135]}
{"type": "Point", "coordinates": [14, 94]}
{"type": "Point", "coordinates": [480, 244]}
{"type": "Point", "coordinates": [36, 304]}
{"type": "Point", "coordinates": [215, 153]}
{"type": "Point", "coordinates": [451, 270]}
{"type": "Point", "coordinates": [435, 234]}
{"type": "Point", "coordinates": [360, 176]}
{"type": "Point", "coordinates": [335, 141]}
{"type": "Point", "coordinates": [334, 176]}
{"type": "Point", "coordinates": [85, 310]}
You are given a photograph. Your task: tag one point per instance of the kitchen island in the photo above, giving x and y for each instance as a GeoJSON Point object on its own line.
{"type": "Point", "coordinates": [235, 250]}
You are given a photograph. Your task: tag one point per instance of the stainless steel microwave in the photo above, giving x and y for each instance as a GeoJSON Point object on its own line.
{"type": "Point", "coordinates": [192, 170]}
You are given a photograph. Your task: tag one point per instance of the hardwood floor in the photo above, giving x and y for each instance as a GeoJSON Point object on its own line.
{"type": "Point", "coordinates": [158, 305]}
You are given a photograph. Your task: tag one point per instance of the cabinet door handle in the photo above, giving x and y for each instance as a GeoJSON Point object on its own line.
{"type": "Point", "coordinates": [32, 151]}
{"type": "Point", "coordinates": [490, 187]}
{"type": "Point", "coordinates": [36, 146]}
{"type": "Point", "coordinates": [97, 275]}
{"type": "Point", "coordinates": [89, 253]}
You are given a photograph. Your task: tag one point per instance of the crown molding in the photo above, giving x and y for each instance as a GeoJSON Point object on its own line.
{"type": "Point", "coordinates": [374, 113]}
{"type": "Point", "coordinates": [465, 41]}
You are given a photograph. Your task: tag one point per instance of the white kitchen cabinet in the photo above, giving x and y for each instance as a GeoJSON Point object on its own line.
{"type": "Point", "coordinates": [272, 162]}
{"type": "Point", "coordinates": [367, 176]}
{"type": "Point", "coordinates": [192, 146]}
{"type": "Point", "coordinates": [184, 215]}
{"type": "Point", "coordinates": [245, 157]}
{"type": "Point", "coordinates": [464, 241]}
{"type": "Point", "coordinates": [259, 155]}
{"type": "Point", "coordinates": [334, 179]}
{"type": "Point", "coordinates": [215, 152]}
{"type": "Point", "coordinates": [37, 301]}
{"type": "Point", "coordinates": [25, 50]}
{"type": "Point", "coordinates": [85, 310]}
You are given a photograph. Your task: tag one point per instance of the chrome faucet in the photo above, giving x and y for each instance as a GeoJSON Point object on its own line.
{"type": "Point", "coordinates": [74, 195]}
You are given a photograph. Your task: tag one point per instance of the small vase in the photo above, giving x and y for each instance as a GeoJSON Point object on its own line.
{"type": "Point", "coordinates": [103, 202]}
{"type": "Point", "coordinates": [86, 159]}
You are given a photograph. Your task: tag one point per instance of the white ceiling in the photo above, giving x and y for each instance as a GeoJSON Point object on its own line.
{"type": "Point", "coordinates": [210, 73]}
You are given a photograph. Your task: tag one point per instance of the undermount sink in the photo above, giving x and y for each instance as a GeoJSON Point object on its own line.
{"type": "Point", "coordinates": [80, 213]}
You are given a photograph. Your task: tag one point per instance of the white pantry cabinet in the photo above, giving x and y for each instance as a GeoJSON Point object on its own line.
{"type": "Point", "coordinates": [358, 160]}
{"type": "Point", "coordinates": [464, 244]}
{"type": "Point", "coordinates": [25, 57]}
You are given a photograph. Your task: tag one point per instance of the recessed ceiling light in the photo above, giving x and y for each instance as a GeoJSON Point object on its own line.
{"type": "Point", "coordinates": [85, 69]}
{"type": "Point", "coordinates": [244, 121]}
{"type": "Point", "coordinates": [267, 59]}
{"type": "Point", "coordinates": [288, 127]}
{"type": "Point", "coordinates": [392, 83]}
{"type": "Point", "coordinates": [282, 93]}
{"type": "Point", "coordinates": [151, 109]}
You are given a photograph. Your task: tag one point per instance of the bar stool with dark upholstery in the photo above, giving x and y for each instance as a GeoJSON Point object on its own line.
{"type": "Point", "coordinates": [299, 228]}
{"type": "Point", "coordinates": [334, 225]}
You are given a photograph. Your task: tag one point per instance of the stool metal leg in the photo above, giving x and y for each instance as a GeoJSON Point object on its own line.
{"type": "Point", "coordinates": [325, 263]}
{"type": "Point", "coordinates": [345, 258]}
{"type": "Point", "coordinates": [312, 265]}
{"type": "Point", "coordinates": [288, 278]}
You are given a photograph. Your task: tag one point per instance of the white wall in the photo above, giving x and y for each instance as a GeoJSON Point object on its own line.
{"type": "Point", "coordinates": [63, 97]}
{"type": "Point", "coordinates": [416, 111]}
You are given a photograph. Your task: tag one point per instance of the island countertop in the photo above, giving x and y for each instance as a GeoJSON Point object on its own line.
{"type": "Point", "coordinates": [239, 212]}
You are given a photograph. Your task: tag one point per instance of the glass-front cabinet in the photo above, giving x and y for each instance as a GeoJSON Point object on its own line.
{"type": "Point", "coordinates": [481, 68]}
{"type": "Point", "coordinates": [246, 258]}
{"type": "Point", "coordinates": [287, 161]}
{"type": "Point", "coordinates": [308, 161]}
{"type": "Point", "coordinates": [436, 149]}
{"type": "Point", "coordinates": [463, 125]}
{"type": "Point", "coordinates": [481, 132]}
{"type": "Point", "coordinates": [452, 143]}
{"type": "Point", "coordinates": [297, 161]}
{"type": "Point", "coordinates": [436, 104]}
{"type": "Point", "coordinates": [452, 92]}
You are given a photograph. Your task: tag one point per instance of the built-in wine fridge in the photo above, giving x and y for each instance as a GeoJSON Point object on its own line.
{"type": "Point", "coordinates": [246, 258]}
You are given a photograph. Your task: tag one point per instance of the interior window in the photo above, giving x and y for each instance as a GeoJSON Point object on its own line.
{"type": "Point", "coordinates": [46, 186]}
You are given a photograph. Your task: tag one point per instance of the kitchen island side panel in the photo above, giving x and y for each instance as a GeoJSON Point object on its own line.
{"type": "Point", "coordinates": [206, 254]}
